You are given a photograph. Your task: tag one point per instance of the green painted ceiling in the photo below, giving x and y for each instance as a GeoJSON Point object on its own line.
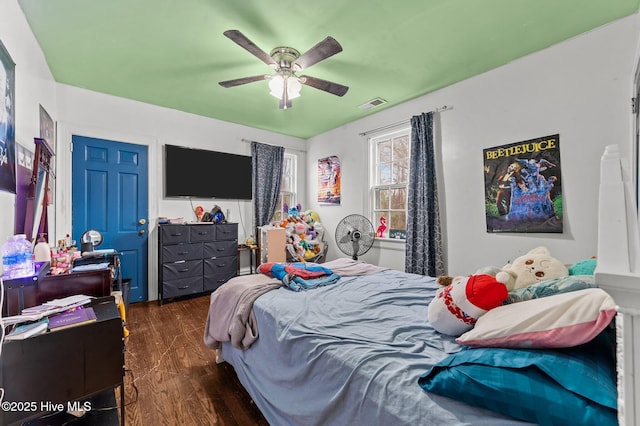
{"type": "Point", "coordinates": [172, 53]}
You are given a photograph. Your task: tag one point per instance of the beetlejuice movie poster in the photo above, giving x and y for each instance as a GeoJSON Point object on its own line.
{"type": "Point", "coordinates": [523, 187]}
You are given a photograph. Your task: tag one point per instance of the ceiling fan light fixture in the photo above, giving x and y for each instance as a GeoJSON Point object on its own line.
{"type": "Point", "coordinates": [285, 85]}
{"type": "Point", "coordinates": [277, 83]}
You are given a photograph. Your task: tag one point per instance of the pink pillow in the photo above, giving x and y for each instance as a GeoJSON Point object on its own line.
{"type": "Point", "coordinates": [558, 321]}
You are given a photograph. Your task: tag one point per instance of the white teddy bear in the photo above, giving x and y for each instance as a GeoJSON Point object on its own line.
{"type": "Point", "coordinates": [536, 266]}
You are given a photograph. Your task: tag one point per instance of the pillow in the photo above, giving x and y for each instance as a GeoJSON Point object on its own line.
{"type": "Point", "coordinates": [561, 320]}
{"type": "Point", "coordinates": [551, 287]}
{"type": "Point", "coordinates": [553, 387]}
{"type": "Point", "coordinates": [583, 267]}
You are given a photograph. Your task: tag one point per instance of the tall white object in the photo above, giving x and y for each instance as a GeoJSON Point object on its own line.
{"type": "Point", "coordinates": [618, 274]}
{"type": "Point", "coordinates": [42, 251]}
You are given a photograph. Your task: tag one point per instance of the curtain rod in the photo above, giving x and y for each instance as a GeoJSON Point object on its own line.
{"type": "Point", "coordinates": [392, 125]}
{"type": "Point", "coordinates": [285, 147]}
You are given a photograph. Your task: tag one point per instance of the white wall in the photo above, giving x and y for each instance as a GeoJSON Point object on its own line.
{"type": "Point", "coordinates": [580, 89]}
{"type": "Point", "coordinates": [34, 87]}
{"type": "Point", "coordinates": [83, 112]}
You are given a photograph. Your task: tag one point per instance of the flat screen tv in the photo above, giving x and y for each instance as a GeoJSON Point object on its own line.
{"type": "Point", "coordinates": [200, 173]}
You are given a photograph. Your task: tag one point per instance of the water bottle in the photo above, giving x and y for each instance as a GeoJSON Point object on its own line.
{"type": "Point", "coordinates": [24, 267]}
{"type": "Point", "coordinates": [9, 257]}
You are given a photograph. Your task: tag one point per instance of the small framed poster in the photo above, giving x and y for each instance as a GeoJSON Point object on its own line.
{"type": "Point", "coordinates": [329, 181]}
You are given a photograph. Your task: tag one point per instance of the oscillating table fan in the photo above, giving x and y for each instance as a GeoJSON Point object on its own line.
{"type": "Point", "coordinates": [354, 235]}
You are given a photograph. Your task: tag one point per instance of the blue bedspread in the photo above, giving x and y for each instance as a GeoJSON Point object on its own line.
{"type": "Point", "coordinates": [351, 354]}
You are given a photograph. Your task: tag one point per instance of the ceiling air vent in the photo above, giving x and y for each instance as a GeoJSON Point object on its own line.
{"type": "Point", "coordinates": [373, 103]}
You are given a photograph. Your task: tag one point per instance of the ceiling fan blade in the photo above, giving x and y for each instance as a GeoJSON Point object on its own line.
{"type": "Point", "coordinates": [326, 48]}
{"type": "Point", "coordinates": [244, 80]}
{"type": "Point", "coordinates": [242, 41]}
{"type": "Point", "coordinates": [327, 86]}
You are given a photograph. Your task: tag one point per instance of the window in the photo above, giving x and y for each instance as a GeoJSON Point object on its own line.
{"type": "Point", "coordinates": [389, 181]}
{"type": "Point", "coordinates": [288, 187]}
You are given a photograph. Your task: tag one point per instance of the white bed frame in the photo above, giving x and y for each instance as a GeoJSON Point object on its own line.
{"type": "Point", "coordinates": [618, 273]}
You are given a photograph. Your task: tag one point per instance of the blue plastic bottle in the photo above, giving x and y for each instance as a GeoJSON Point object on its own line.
{"type": "Point", "coordinates": [24, 267]}
{"type": "Point", "coordinates": [9, 257]}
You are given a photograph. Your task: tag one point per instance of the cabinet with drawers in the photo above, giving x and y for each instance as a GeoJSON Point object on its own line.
{"type": "Point", "coordinates": [195, 258]}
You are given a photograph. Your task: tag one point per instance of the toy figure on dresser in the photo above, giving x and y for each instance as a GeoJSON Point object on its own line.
{"type": "Point", "coordinates": [199, 213]}
{"type": "Point", "coordinates": [215, 216]}
{"type": "Point", "coordinates": [382, 227]}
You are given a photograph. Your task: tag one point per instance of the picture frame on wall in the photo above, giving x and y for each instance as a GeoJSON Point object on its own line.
{"type": "Point", "coordinates": [523, 186]}
{"type": "Point", "coordinates": [7, 122]}
{"type": "Point", "coordinates": [329, 181]}
{"type": "Point", "coordinates": [47, 128]}
{"type": "Point", "coordinates": [48, 133]}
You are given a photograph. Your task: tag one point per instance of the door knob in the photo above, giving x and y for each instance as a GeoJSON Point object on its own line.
{"type": "Point", "coordinates": [142, 221]}
{"type": "Point", "coordinates": [141, 232]}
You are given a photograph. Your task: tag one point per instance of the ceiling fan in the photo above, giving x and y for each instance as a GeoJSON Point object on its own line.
{"type": "Point", "coordinates": [287, 61]}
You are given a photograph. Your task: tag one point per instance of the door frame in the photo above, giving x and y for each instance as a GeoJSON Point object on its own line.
{"type": "Point", "coordinates": [63, 160]}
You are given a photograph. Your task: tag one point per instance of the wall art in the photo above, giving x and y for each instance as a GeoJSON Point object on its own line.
{"type": "Point", "coordinates": [523, 186]}
{"type": "Point", "coordinates": [329, 181]}
{"type": "Point", "coordinates": [7, 122]}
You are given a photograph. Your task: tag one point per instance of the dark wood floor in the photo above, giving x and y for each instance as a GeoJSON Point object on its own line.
{"type": "Point", "coordinates": [172, 378]}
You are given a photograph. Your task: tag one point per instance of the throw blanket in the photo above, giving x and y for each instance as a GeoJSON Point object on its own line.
{"type": "Point", "coordinates": [231, 316]}
{"type": "Point", "coordinates": [299, 275]}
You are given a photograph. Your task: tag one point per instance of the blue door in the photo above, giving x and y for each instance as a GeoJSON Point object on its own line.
{"type": "Point", "coordinates": [110, 194]}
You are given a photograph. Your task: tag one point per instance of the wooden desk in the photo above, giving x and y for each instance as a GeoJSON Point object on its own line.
{"type": "Point", "coordinates": [63, 366]}
{"type": "Point", "coordinates": [26, 292]}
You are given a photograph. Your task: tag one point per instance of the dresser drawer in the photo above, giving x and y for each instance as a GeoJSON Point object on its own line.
{"type": "Point", "coordinates": [227, 231]}
{"type": "Point", "coordinates": [200, 233]}
{"type": "Point", "coordinates": [227, 266]}
{"type": "Point", "coordinates": [213, 281]}
{"type": "Point", "coordinates": [172, 234]}
{"type": "Point", "coordinates": [178, 252]}
{"type": "Point", "coordinates": [220, 249]}
{"type": "Point", "coordinates": [181, 269]}
{"type": "Point", "coordinates": [182, 287]}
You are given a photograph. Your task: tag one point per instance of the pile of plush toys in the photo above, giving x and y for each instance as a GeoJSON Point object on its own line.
{"type": "Point", "coordinates": [462, 300]}
{"type": "Point", "coordinates": [304, 233]}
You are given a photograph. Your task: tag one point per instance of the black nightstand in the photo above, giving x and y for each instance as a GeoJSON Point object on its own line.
{"type": "Point", "coordinates": [63, 366]}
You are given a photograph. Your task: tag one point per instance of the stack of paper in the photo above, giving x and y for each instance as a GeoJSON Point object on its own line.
{"type": "Point", "coordinates": [91, 267]}
{"type": "Point", "coordinates": [49, 308]}
{"type": "Point", "coordinates": [27, 330]}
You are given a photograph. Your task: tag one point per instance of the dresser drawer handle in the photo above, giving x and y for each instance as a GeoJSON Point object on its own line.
{"type": "Point", "coordinates": [222, 265]}
{"type": "Point", "coordinates": [183, 252]}
{"type": "Point", "coordinates": [177, 234]}
{"type": "Point", "coordinates": [183, 288]}
{"type": "Point", "coordinates": [221, 249]}
{"type": "Point", "coordinates": [183, 270]}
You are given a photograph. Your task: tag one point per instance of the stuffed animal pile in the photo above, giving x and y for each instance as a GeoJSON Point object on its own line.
{"type": "Point", "coordinates": [462, 300]}
{"type": "Point", "coordinates": [304, 232]}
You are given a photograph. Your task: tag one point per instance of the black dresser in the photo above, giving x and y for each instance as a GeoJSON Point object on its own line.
{"type": "Point", "coordinates": [195, 258]}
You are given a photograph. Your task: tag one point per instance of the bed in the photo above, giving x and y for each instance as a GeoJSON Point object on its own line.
{"type": "Point", "coordinates": [360, 350]}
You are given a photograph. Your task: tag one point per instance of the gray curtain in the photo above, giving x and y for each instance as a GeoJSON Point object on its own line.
{"type": "Point", "coordinates": [424, 238]}
{"type": "Point", "coordinates": [267, 173]}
